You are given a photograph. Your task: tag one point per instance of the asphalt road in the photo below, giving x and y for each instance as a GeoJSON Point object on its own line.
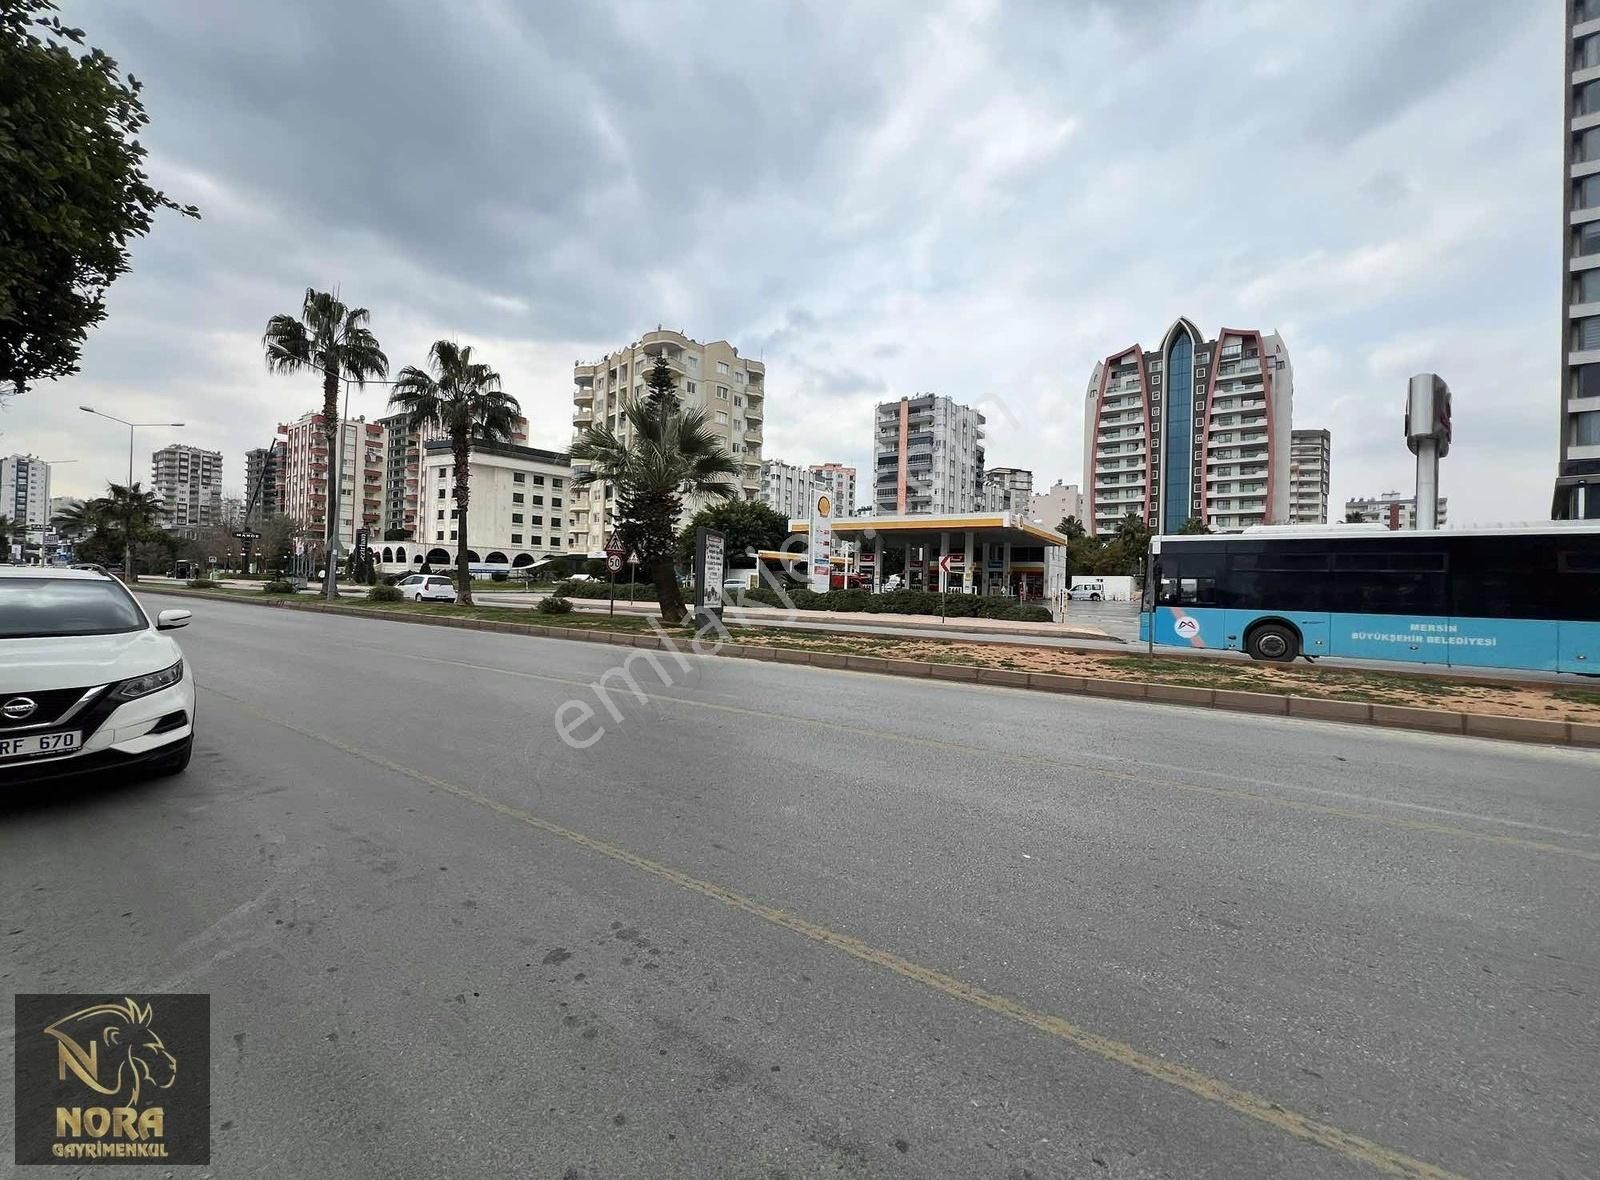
{"type": "Point", "coordinates": [787, 922]}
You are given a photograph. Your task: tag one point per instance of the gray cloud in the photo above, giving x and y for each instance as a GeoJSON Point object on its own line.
{"type": "Point", "coordinates": [975, 197]}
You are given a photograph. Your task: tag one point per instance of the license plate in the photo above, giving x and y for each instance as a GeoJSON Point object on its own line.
{"type": "Point", "coordinates": [40, 743]}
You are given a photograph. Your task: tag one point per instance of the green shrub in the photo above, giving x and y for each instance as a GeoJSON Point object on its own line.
{"type": "Point", "coordinates": [203, 584]}
{"type": "Point", "coordinates": [554, 605]}
{"type": "Point", "coordinates": [384, 594]}
{"type": "Point", "coordinates": [277, 588]}
{"type": "Point", "coordinates": [499, 576]}
{"type": "Point", "coordinates": [626, 591]}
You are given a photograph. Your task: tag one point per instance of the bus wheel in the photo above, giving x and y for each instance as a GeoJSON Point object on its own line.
{"type": "Point", "coordinates": [1272, 642]}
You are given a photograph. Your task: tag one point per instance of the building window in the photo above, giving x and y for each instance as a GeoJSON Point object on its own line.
{"type": "Point", "coordinates": [1586, 286]}
{"type": "Point", "coordinates": [1587, 99]}
{"type": "Point", "coordinates": [688, 387]}
{"type": "Point", "coordinates": [722, 366]}
{"type": "Point", "coordinates": [1586, 192]}
{"type": "Point", "coordinates": [722, 417]}
{"type": "Point", "coordinates": [536, 540]}
{"type": "Point", "coordinates": [516, 498]}
{"type": "Point", "coordinates": [441, 493]}
{"type": "Point", "coordinates": [1586, 429]}
{"type": "Point", "coordinates": [722, 393]}
{"type": "Point", "coordinates": [536, 519]}
{"type": "Point", "coordinates": [439, 515]}
{"type": "Point", "coordinates": [1586, 145]}
{"type": "Point", "coordinates": [518, 477]}
{"type": "Point", "coordinates": [438, 536]}
{"type": "Point", "coordinates": [516, 538]}
{"type": "Point", "coordinates": [454, 512]}
{"type": "Point", "coordinates": [1588, 238]}
{"type": "Point", "coordinates": [555, 501]}
{"type": "Point", "coordinates": [1586, 334]}
{"type": "Point", "coordinates": [1586, 381]}
{"type": "Point", "coordinates": [558, 482]}
{"type": "Point", "coordinates": [1586, 52]}
{"type": "Point", "coordinates": [538, 499]}
{"type": "Point", "coordinates": [516, 518]}
{"type": "Point", "coordinates": [555, 541]}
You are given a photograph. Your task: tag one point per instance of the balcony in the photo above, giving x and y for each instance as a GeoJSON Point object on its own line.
{"type": "Point", "coordinates": [582, 418]}
{"type": "Point", "coordinates": [663, 341]}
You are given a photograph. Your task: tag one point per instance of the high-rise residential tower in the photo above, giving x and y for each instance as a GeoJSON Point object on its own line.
{"type": "Point", "coordinates": [1310, 453]}
{"type": "Point", "coordinates": [304, 487]}
{"type": "Point", "coordinates": [713, 378]}
{"type": "Point", "coordinates": [927, 456]}
{"type": "Point", "coordinates": [1008, 489]}
{"type": "Point", "coordinates": [1193, 429]}
{"type": "Point", "coordinates": [840, 482]}
{"type": "Point", "coordinates": [786, 488]}
{"type": "Point", "coordinates": [263, 480]}
{"type": "Point", "coordinates": [188, 481]}
{"type": "Point", "coordinates": [25, 491]}
{"type": "Point", "coordinates": [1577, 492]}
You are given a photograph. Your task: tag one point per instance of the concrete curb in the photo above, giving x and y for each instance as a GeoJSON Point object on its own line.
{"type": "Point", "coordinates": [1483, 725]}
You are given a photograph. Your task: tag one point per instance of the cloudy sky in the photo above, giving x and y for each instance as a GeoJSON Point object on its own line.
{"type": "Point", "coordinates": [975, 198]}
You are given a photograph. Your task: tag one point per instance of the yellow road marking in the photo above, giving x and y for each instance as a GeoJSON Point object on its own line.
{"type": "Point", "coordinates": [1329, 809]}
{"type": "Point", "coordinates": [1385, 1159]}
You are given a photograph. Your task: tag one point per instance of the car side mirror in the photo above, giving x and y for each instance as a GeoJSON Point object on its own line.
{"type": "Point", "coordinates": [168, 620]}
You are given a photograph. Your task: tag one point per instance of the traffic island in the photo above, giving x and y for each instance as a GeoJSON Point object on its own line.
{"type": "Point", "coordinates": [1525, 711]}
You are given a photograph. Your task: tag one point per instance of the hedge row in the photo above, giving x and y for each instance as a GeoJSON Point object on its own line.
{"type": "Point", "coordinates": [626, 591]}
{"type": "Point", "coordinates": [907, 602]}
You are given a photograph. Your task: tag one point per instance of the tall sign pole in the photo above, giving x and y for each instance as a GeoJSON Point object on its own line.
{"type": "Point", "coordinates": [614, 556]}
{"type": "Point", "coordinates": [1428, 436]}
{"type": "Point", "coordinates": [821, 539]}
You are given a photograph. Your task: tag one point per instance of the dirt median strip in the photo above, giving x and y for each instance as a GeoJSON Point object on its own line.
{"type": "Point", "coordinates": [1516, 711]}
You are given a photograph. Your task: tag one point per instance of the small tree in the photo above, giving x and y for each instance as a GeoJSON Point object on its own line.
{"type": "Point", "coordinates": [1193, 527]}
{"type": "Point", "coordinates": [1072, 528]}
{"type": "Point", "coordinates": [744, 525]}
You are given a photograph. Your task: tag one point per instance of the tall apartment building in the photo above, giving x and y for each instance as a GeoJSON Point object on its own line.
{"type": "Point", "coordinates": [25, 492]}
{"type": "Point", "coordinates": [520, 499]}
{"type": "Point", "coordinates": [713, 378]}
{"type": "Point", "coordinates": [1393, 509]}
{"type": "Point", "coordinates": [840, 482]}
{"type": "Point", "coordinates": [1007, 489]}
{"type": "Point", "coordinates": [1052, 507]}
{"type": "Point", "coordinates": [787, 488]}
{"type": "Point", "coordinates": [1310, 454]}
{"type": "Point", "coordinates": [263, 477]}
{"type": "Point", "coordinates": [188, 481]}
{"type": "Point", "coordinates": [304, 487]}
{"type": "Point", "coordinates": [927, 456]}
{"type": "Point", "coordinates": [1193, 428]}
{"type": "Point", "coordinates": [1577, 490]}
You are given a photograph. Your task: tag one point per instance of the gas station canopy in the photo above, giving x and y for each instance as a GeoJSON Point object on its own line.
{"type": "Point", "coordinates": [1011, 555]}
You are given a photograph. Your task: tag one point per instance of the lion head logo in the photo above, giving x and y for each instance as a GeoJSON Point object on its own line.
{"type": "Point", "coordinates": [111, 1048]}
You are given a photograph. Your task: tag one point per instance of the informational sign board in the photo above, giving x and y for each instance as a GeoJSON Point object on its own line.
{"type": "Point", "coordinates": [709, 566]}
{"type": "Point", "coordinates": [361, 547]}
{"type": "Point", "coordinates": [821, 538]}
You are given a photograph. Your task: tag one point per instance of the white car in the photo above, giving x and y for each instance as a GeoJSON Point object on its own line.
{"type": "Point", "coordinates": [427, 588]}
{"type": "Point", "coordinates": [88, 682]}
{"type": "Point", "coordinates": [1089, 592]}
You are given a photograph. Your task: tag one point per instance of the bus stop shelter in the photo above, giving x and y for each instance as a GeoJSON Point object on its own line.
{"type": "Point", "coordinates": [968, 552]}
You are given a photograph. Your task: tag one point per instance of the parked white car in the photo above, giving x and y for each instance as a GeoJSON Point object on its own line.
{"type": "Point", "coordinates": [427, 588]}
{"type": "Point", "coordinates": [89, 683]}
{"type": "Point", "coordinates": [1088, 592]}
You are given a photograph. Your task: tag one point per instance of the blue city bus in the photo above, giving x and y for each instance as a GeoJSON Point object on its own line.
{"type": "Point", "coordinates": [1515, 597]}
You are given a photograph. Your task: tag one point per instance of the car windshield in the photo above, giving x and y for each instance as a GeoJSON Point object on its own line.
{"type": "Point", "coordinates": [32, 608]}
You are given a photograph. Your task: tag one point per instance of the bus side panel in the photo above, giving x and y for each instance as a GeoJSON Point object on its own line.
{"type": "Point", "coordinates": [1578, 649]}
{"type": "Point", "coordinates": [1385, 637]}
{"type": "Point", "coordinates": [1188, 626]}
{"type": "Point", "coordinates": [1498, 643]}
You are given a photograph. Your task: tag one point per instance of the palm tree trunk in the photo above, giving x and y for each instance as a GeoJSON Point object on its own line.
{"type": "Point", "coordinates": [330, 511]}
{"type": "Point", "coordinates": [665, 575]}
{"type": "Point", "coordinates": [458, 446]}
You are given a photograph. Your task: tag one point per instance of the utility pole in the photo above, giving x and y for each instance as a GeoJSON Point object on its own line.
{"type": "Point", "coordinates": [127, 529]}
{"type": "Point", "coordinates": [1428, 436]}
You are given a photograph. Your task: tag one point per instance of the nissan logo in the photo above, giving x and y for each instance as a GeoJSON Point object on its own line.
{"type": "Point", "coordinates": [18, 709]}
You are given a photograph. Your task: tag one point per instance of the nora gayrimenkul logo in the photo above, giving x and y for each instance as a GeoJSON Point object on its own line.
{"type": "Point", "coordinates": [113, 1079]}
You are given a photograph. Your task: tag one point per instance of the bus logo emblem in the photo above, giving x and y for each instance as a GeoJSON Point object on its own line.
{"type": "Point", "coordinates": [1187, 627]}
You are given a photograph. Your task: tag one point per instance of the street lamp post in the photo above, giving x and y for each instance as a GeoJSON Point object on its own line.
{"type": "Point", "coordinates": [127, 530]}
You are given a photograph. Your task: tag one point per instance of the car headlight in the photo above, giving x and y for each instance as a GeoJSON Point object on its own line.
{"type": "Point", "coordinates": [143, 686]}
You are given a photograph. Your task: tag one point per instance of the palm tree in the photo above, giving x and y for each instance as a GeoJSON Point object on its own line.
{"type": "Point", "coordinates": [76, 519]}
{"type": "Point", "coordinates": [669, 453]}
{"type": "Point", "coordinates": [132, 510]}
{"type": "Point", "coordinates": [333, 340]}
{"type": "Point", "coordinates": [463, 398]}
{"type": "Point", "coordinates": [1072, 528]}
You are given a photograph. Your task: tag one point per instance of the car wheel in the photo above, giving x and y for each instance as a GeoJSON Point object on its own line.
{"type": "Point", "coordinates": [175, 762]}
{"type": "Point", "coordinates": [1273, 642]}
